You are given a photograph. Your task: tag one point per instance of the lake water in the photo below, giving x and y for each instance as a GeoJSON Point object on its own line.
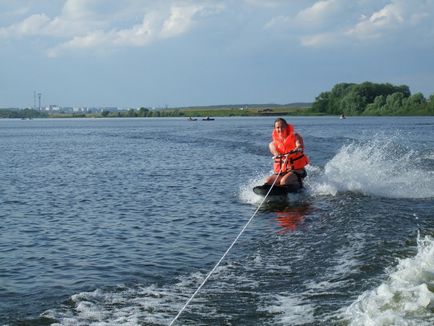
{"type": "Point", "coordinates": [118, 221]}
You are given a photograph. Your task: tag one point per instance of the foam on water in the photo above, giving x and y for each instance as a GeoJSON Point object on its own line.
{"type": "Point", "coordinates": [104, 307]}
{"type": "Point", "coordinates": [151, 304]}
{"type": "Point", "coordinates": [405, 298]}
{"type": "Point", "coordinates": [246, 194]}
{"type": "Point", "coordinates": [380, 166]}
{"type": "Point", "coordinates": [159, 304]}
{"type": "Point", "coordinates": [289, 310]}
{"type": "Point", "coordinates": [124, 306]}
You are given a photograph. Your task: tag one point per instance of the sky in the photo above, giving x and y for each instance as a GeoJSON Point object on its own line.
{"type": "Point", "coordinates": [176, 53]}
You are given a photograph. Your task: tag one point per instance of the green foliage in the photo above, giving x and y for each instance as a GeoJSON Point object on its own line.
{"type": "Point", "coordinates": [430, 105]}
{"type": "Point", "coordinates": [212, 111]}
{"type": "Point", "coordinates": [131, 113]}
{"type": "Point", "coordinates": [22, 114]}
{"type": "Point", "coordinates": [142, 112]}
{"type": "Point", "coordinates": [371, 99]}
{"type": "Point", "coordinates": [352, 99]}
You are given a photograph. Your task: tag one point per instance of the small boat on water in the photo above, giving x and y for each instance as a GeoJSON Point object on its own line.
{"type": "Point", "coordinates": [191, 119]}
{"type": "Point", "coordinates": [208, 119]}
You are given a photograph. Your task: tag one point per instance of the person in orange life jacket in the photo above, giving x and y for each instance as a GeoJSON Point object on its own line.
{"type": "Point", "coordinates": [285, 140]}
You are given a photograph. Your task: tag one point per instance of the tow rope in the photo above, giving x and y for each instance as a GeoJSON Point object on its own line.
{"type": "Point", "coordinates": [227, 251]}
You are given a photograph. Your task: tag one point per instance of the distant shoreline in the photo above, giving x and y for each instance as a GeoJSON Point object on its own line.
{"type": "Point", "coordinates": [214, 111]}
{"type": "Point", "coordinates": [29, 114]}
{"type": "Point", "coordinates": [252, 110]}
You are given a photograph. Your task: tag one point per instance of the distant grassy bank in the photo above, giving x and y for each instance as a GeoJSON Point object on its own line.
{"type": "Point", "coordinates": [202, 111]}
{"type": "Point", "coordinates": [217, 111]}
{"type": "Point", "coordinates": [251, 110]}
{"type": "Point", "coordinates": [367, 98]}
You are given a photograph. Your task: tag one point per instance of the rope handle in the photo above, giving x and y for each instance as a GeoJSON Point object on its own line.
{"type": "Point", "coordinates": [297, 150]}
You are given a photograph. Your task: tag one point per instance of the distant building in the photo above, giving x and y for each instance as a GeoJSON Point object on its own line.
{"type": "Point", "coordinates": [54, 108]}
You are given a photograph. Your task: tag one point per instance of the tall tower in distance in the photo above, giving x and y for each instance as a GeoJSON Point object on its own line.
{"type": "Point", "coordinates": [39, 100]}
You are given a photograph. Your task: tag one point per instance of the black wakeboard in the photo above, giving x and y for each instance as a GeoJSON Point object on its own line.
{"type": "Point", "coordinates": [276, 190]}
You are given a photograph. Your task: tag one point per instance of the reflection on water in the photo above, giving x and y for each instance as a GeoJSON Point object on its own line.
{"type": "Point", "coordinates": [291, 217]}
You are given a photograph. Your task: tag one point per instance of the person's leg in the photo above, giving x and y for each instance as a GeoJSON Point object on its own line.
{"type": "Point", "coordinates": [271, 178]}
{"type": "Point", "coordinates": [289, 179]}
{"type": "Point", "coordinates": [294, 178]}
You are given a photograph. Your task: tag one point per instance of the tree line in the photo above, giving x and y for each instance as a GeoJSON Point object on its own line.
{"type": "Point", "coordinates": [218, 111]}
{"type": "Point", "coordinates": [372, 99]}
{"type": "Point", "coordinates": [144, 113]}
{"type": "Point", "coordinates": [22, 114]}
{"type": "Point", "coordinates": [344, 98]}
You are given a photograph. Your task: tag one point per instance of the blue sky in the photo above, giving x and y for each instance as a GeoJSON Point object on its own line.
{"type": "Point", "coordinates": [134, 53]}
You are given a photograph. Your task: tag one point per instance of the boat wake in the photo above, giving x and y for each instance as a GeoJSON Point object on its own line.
{"type": "Point", "coordinates": [378, 167]}
{"type": "Point", "coordinates": [405, 298]}
{"type": "Point", "coordinates": [158, 305]}
{"type": "Point", "coordinates": [125, 305]}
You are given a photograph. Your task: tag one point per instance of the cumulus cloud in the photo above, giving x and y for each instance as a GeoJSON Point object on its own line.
{"type": "Point", "coordinates": [87, 24]}
{"type": "Point", "coordinates": [75, 18]}
{"type": "Point", "coordinates": [317, 25]}
{"type": "Point", "coordinates": [390, 17]}
{"type": "Point", "coordinates": [180, 20]}
{"type": "Point", "coordinates": [319, 40]}
{"type": "Point", "coordinates": [320, 12]}
{"type": "Point", "coordinates": [84, 27]}
{"type": "Point", "coordinates": [33, 25]}
{"type": "Point", "coordinates": [395, 19]}
{"type": "Point", "coordinates": [279, 23]}
{"type": "Point", "coordinates": [136, 36]}
{"type": "Point", "coordinates": [155, 26]}
{"type": "Point", "coordinates": [329, 22]}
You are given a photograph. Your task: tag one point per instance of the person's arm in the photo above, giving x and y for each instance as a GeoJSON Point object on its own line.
{"type": "Point", "coordinates": [273, 149]}
{"type": "Point", "coordinates": [298, 143]}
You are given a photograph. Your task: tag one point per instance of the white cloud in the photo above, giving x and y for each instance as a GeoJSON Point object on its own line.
{"type": "Point", "coordinates": [87, 24]}
{"type": "Point", "coordinates": [320, 15]}
{"type": "Point", "coordinates": [29, 26]}
{"type": "Point", "coordinates": [279, 23]}
{"type": "Point", "coordinates": [159, 24]}
{"type": "Point", "coordinates": [318, 40]}
{"type": "Point", "coordinates": [74, 19]}
{"type": "Point", "coordinates": [398, 19]}
{"type": "Point", "coordinates": [78, 9]}
{"type": "Point", "coordinates": [327, 22]}
{"type": "Point", "coordinates": [181, 19]}
{"type": "Point", "coordinates": [81, 24]}
{"type": "Point", "coordinates": [320, 12]}
{"type": "Point", "coordinates": [136, 36]}
{"type": "Point", "coordinates": [318, 25]}
{"type": "Point", "coordinates": [388, 18]}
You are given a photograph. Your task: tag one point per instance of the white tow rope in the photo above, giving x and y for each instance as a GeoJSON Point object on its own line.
{"type": "Point", "coordinates": [227, 251]}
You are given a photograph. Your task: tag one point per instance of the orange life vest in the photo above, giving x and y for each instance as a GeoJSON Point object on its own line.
{"type": "Point", "coordinates": [294, 161]}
